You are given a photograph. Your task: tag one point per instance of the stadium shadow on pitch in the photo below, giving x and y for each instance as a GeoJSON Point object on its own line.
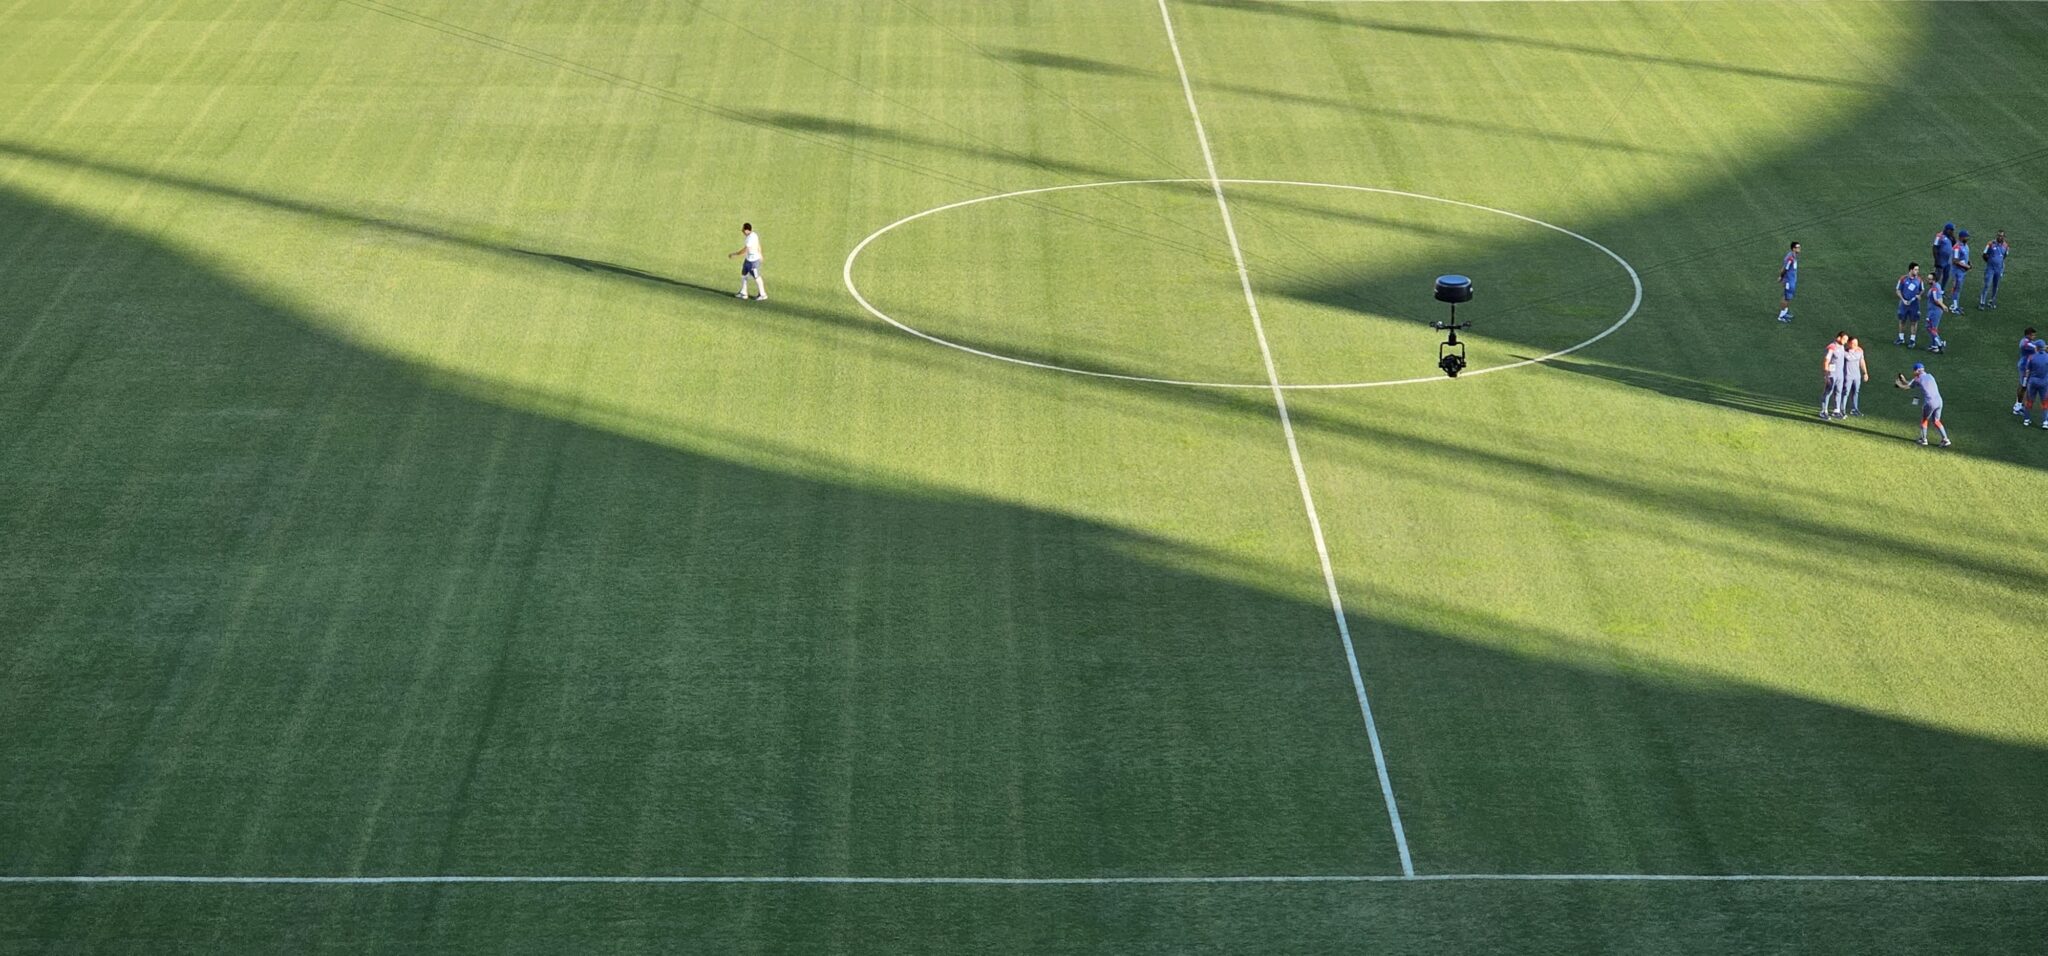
{"type": "Point", "coordinates": [859, 132]}
{"type": "Point", "coordinates": [303, 608]}
{"type": "Point", "coordinates": [467, 237]}
{"type": "Point", "coordinates": [1442, 120]}
{"type": "Point", "coordinates": [1316, 14]}
{"type": "Point", "coordinates": [1730, 502]}
{"type": "Point", "coordinates": [1708, 393]}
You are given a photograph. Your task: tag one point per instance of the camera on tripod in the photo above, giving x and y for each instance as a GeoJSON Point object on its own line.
{"type": "Point", "coordinates": [1450, 356]}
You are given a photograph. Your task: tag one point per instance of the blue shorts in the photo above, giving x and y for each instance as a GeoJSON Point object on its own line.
{"type": "Point", "coordinates": [1930, 413]}
{"type": "Point", "coordinates": [1909, 313]}
{"type": "Point", "coordinates": [1791, 287]}
{"type": "Point", "coordinates": [2037, 391]}
{"type": "Point", "coordinates": [750, 267]}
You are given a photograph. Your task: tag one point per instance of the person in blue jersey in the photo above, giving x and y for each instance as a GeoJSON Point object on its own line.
{"type": "Point", "coordinates": [1908, 290]}
{"type": "Point", "coordinates": [1930, 401]}
{"type": "Point", "coordinates": [1944, 250]}
{"type": "Point", "coordinates": [1935, 309]}
{"type": "Point", "coordinates": [2034, 379]}
{"type": "Point", "coordinates": [2033, 339]}
{"type": "Point", "coordinates": [1788, 278]}
{"type": "Point", "coordinates": [1995, 252]}
{"type": "Point", "coordinates": [1958, 270]}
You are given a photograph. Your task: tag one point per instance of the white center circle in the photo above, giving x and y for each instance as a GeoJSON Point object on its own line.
{"type": "Point", "coordinates": [847, 273]}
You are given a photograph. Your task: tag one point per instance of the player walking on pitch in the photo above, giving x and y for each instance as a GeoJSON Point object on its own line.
{"type": "Point", "coordinates": [1834, 376]}
{"type": "Point", "coordinates": [1930, 401]}
{"type": "Point", "coordinates": [1788, 277]}
{"type": "Point", "coordinates": [1995, 252]}
{"type": "Point", "coordinates": [1909, 289]}
{"type": "Point", "coordinates": [1855, 372]}
{"type": "Point", "coordinates": [750, 267]}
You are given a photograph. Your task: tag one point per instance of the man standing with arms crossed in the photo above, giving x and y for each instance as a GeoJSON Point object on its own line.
{"type": "Point", "coordinates": [1995, 252]}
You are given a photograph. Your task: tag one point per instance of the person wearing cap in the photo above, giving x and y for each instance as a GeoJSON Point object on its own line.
{"type": "Point", "coordinates": [1995, 252]}
{"type": "Point", "coordinates": [2034, 369]}
{"type": "Point", "coordinates": [1944, 252]}
{"type": "Point", "coordinates": [2019, 398]}
{"type": "Point", "coordinates": [1958, 270]}
{"type": "Point", "coordinates": [1930, 401]}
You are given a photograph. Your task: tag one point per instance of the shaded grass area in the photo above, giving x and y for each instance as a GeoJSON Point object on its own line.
{"type": "Point", "coordinates": [1523, 918]}
{"type": "Point", "coordinates": [561, 650]}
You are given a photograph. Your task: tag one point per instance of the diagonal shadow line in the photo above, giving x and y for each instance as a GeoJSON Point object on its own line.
{"type": "Point", "coordinates": [1300, 244]}
{"type": "Point", "coordinates": [1301, 12]}
{"type": "Point", "coordinates": [841, 144]}
{"type": "Point", "coordinates": [1726, 508]}
{"type": "Point", "coordinates": [461, 239]}
{"type": "Point", "coordinates": [1704, 392]}
{"type": "Point", "coordinates": [1203, 237]}
{"type": "Point", "coordinates": [1078, 64]}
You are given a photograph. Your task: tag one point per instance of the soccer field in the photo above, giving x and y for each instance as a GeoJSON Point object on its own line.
{"type": "Point", "coordinates": [411, 544]}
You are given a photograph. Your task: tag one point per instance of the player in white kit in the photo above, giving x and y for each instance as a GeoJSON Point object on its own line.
{"type": "Point", "coordinates": [750, 267]}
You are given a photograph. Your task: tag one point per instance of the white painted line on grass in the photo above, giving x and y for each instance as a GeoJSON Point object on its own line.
{"type": "Point", "coordinates": [1308, 501]}
{"type": "Point", "coordinates": [595, 879]}
{"type": "Point", "coordinates": [852, 288]}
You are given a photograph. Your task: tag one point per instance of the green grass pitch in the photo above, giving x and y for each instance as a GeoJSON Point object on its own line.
{"type": "Point", "coordinates": [391, 486]}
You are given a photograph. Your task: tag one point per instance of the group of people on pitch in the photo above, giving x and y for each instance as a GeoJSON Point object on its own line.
{"type": "Point", "coordinates": [1844, 368]}
{"type": "Point", "coordinates": [1944, 280]}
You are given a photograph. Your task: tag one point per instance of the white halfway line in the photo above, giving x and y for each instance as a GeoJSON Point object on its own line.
{"type": "Point", "coordinates": [1308, 501]}
{"type": "Point", "coordinates": [459, 879]}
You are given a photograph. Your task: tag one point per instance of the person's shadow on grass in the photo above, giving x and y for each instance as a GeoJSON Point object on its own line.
{"type": "Point", "coordinates": [593, 265]}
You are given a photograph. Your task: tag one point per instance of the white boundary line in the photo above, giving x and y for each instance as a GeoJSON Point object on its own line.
{"type": "Point", "coordinates": [846, 274]}
{"type": "Point", "coordinates": [1308, 501]}
{"type": "Point", "coordinates": [1010, 881]}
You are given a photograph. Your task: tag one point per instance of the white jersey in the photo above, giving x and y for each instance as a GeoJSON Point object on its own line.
{"type": "Point", "coordinates": [753, 247]}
